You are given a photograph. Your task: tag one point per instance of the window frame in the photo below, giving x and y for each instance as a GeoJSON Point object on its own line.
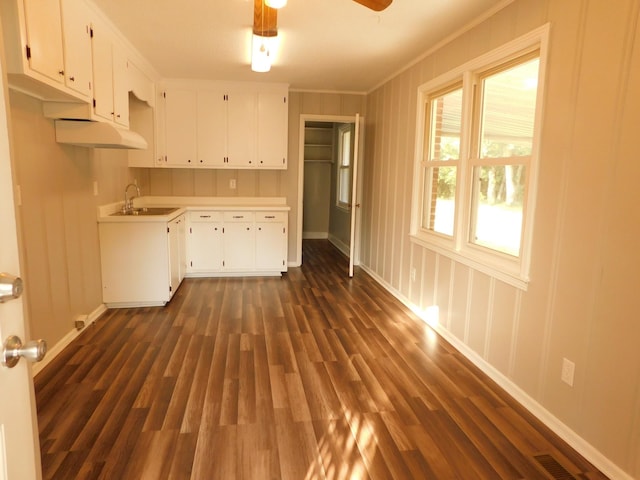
{"type": "Point", "coordinates": [513, 270]}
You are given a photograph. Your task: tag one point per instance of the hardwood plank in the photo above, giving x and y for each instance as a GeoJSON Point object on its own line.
{"type": "Point", "coordinates": [306, 377]}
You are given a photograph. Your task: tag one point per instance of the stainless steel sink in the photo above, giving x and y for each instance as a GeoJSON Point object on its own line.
{"type": "Point", "coordinates": [147, 211]}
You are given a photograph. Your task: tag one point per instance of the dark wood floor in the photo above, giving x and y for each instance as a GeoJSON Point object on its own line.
{"type": "Point", "coordinates": [309, 376]}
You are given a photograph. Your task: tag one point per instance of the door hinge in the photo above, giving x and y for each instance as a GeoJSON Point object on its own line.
{"type": "Point", "coordinates": [169, 287]}
{"type": "Point", "coordinates": [28, 52]}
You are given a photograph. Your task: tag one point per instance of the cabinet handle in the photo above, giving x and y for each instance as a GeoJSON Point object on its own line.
{"type": "Point", "coordinates": [60, 72]}
{"type": "Point", "coordinates": [205, 216]}
{"type": "Point", "coordinates": [238, 216]}
{"type": "Point", "coordinates": [72, 79]}
{"type": "Point", "coordinates": [269, 216]}
{"type": "Point", "coordinates": [248, 229]}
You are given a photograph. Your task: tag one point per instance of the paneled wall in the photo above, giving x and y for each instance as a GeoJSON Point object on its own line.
{"type": "Point", "coordinates": [582, 301]}
{"type": "Point", "coordinates": [57, 219]}
{"type": "Point", "coordinates": [249, 183]}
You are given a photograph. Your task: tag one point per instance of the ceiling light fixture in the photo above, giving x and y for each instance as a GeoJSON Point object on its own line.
{"type": "Point", "coordinates": [275, 3]}
{"type": "Point", "coordinates": [265, 31]}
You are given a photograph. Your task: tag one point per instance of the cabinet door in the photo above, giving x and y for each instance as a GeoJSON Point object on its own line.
{"type": "Point", "coordinates": [180, 127]}
{"type": "Point", "coordinates": [239, 241]}
{"type": "Point", "coordinates": [173, 233]}
{"type": "Point", "coordinates": [271, 246]}
{"type": "Point", "coordinates": [78, 62]}
{"type": "Point", "coordinates": [205, 245]}
{"type": "Point", "coordinates": [241, 128]}
{"type": "Point", "coordinates": [44, 37]}
{"type": "Point", "coordinates": [120, 88]}
{"type": "Point", "coordinates": [182, 247]}
{"type": "Point", "coordinates": [102, 74]}
{"type": "Point", "coordinates": [212, 128]}
{"type": "Point", "coordinates": [272, 130]}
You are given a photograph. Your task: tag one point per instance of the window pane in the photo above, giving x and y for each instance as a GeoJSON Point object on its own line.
{"type": "Point", "coordinates": [508, 111]}
{"type": "Point", "coordinates": [439, 199]}
{"type": "Point", "coordinates": [444, 138]}
{"type": "Point", "coordinates": [345, 156]}
{"type": "Point", "coordinates": [498, 204]}
{"type": "Point", "coordinates": [344, 185]}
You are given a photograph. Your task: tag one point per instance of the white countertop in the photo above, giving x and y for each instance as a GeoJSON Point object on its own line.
{"type": "Point", "coordinates": [105, 212]}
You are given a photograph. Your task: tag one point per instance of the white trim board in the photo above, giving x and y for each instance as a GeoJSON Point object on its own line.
{"type": "Point", "coordinates": [65, 341]}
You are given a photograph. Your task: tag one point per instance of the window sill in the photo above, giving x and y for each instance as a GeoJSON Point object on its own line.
{"type": "Point", "coordinates": [498, 272]}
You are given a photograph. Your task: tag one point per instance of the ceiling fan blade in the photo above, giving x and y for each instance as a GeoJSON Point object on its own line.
{"type": "Point", "coordinates": [377, 5]}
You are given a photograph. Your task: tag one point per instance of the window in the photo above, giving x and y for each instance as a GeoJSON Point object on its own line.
{"type": "Point", "coordinates": [476, 161]}
{"type": "Point", "coordinates": [344, 167]}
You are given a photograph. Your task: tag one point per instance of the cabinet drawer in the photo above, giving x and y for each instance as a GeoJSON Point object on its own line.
{"type": "Point", "coordinates": [205, 216]}
{"type": "Point", "coordinates": [230, 217]}
{"type": "Point", "coordinates": [279, 217]}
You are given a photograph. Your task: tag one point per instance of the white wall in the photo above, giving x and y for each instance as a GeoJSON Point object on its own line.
{"type": "Point", "coordinates": [57, 219]}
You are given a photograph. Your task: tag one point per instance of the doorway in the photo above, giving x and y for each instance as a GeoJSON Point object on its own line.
{"type": "Point", "coordinates": [329, 150]}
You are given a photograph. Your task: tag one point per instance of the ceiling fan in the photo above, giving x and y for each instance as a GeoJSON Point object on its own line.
{"type": "Point", "coordinates": [265, 26]}
{"type": "Point", "coordinates": [376, 5]}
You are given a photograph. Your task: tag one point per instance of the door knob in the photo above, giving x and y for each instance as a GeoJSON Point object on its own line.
{"type": "Point", "coordinates": [33, 351]}
{"type": "Point", "coordinates": [10, 287]}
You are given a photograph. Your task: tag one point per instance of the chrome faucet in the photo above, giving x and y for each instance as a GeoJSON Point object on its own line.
{"type": "Point", "coordinates": [128, 202]}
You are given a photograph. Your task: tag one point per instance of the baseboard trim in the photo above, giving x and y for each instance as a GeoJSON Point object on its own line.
{"type": "Point", "coordinates": [315, 235]}
{"type": "Point", "coordinates": [579, 444]}
{"type": "Point", "coordinates": [54, 351]}
{"type": "Point", "coordinates": [340, 245]}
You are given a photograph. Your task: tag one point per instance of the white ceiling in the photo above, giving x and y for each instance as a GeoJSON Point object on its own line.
{"type": "Point", "coordinates": [328, 45]}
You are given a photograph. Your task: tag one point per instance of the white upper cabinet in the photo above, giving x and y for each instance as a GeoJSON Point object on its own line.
{"type": "Point", "coordinates": [120, 93]}
{"type": "Point", "coordinates": [241, 129]}
{"type": "Point", "coordinates": [180, 108]}
{"type": "Point", "coordinates": [111, 89]}
{"type": "Point", "coordinates": [223, 125]}
{"type": "Point", "coordinates": [34, 49]}
{"type": "Point", "coordinates": [211, 121]}
{"type": "Point", "coordinates": [44, 38]}
{"type": "Point", "coordinates": [76, 30]}
{"type": "Point", "coordinates": [273, 119]}
{"type": "Point", "coordinates": [102, 74]}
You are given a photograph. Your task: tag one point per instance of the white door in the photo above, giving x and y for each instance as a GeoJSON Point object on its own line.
{"type": "Point", "coordinates": [19, 446]}
{"type": "Point", "coordinates": [355, 203]}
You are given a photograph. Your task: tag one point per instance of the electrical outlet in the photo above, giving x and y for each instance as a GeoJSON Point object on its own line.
{"type": "Point", "coordinates": [568, 371]}
{"type": "Point", "coordinates": [232, 184]}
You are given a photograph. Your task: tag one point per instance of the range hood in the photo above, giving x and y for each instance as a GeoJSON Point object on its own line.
{"type": "Point", "coordinates": [90, 134]}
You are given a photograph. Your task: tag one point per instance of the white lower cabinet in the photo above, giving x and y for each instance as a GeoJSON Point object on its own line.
{"type": "Point", "coordinates": [204, 242]}
{"type": "Point", "coordinates": [236, 243]}
{"type": "Point", "coordinates": [271, 241]}
{"type": "Point", "coordinates": [239, 239]}
{"type": "Point", "coordinates": [142, 262]}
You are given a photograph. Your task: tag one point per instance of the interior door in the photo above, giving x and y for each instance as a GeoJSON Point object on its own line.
{"type": "Point", "coordinates": [19, 447]}
{"type": "Point", "coordinates": [355, 204]}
